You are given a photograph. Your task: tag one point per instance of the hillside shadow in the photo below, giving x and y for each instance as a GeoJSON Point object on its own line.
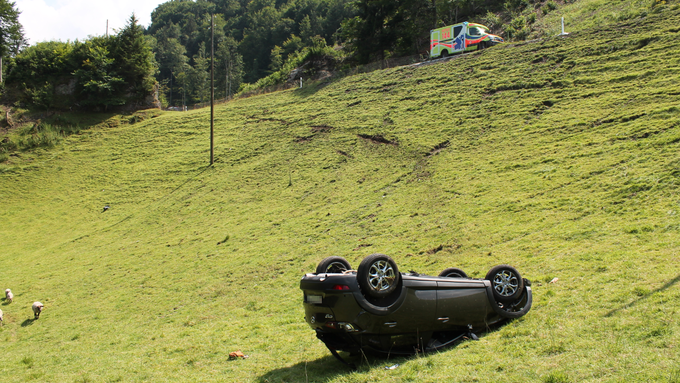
{"type": "Point", "coordinates": [320, 369]}
{"type": "Point", "coordinates": [327, 368]}
{"type": "Point", "coordinates": [642, 298]}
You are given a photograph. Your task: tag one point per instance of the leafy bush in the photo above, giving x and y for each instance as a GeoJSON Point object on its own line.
{"type": "Point", "coordinates": [518, 28]}
{"type": "Point", "coordinates": [549, 6]}
{"type": "Point", "coordinates": [491, 20]}
{"type": "Point", "coordinates": [100, 72]}
{"type": "Point", "coordinates": [293, 62]}
{"type": "Point", "coordinates": [531, 18]}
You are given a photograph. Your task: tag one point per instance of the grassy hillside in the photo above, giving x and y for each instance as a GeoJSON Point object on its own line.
{"type": "Point", "coordinates": [561, 157]}
{"type": "Point", "coordinates": [581, 15]}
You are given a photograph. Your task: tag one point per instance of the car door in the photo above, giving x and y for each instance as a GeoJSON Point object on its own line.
{"type": "Point", "coordinates": [419, 310]}
{"type": "Point", "coordinates": [461, 302]}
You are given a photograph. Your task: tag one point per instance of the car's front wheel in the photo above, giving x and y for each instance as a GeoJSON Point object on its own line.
{"type": "Point", "coordinates": [506, 282]}
{"type": "Point", "coordinates": [378, 275]}
{"type": "Point", "coordinates": [333, 264]}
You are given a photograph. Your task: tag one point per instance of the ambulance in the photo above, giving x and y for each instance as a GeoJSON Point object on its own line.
{"type": "Point", "coordinates": [460, 37]}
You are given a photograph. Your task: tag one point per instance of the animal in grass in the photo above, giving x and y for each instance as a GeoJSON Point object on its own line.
{"type": "Point", "coordinates": [37, 309]}
{"type": "Point", "coordinates": [9, 297]}
{"type": "Point", "coordinates": [1, 319]}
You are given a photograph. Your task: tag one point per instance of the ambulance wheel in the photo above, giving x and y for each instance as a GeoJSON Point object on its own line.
{"type": "Point", "coordinates": [444, 54]}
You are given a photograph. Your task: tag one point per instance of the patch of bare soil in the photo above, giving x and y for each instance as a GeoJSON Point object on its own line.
{"type": "Point", "coordinates": [377, 139]}
{"type": "Point", "coordinates": [438, 148]}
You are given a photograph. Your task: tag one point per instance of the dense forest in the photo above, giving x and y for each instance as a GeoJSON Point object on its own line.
{"type": "Point", "coordinates": [253, 39]}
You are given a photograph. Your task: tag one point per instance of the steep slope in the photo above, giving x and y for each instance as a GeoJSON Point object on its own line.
{"type": "Point", "coordinates": [559, 156]}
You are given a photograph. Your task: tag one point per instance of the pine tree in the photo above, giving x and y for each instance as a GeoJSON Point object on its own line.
{"type": "Point", "coordinates": [134, 59]}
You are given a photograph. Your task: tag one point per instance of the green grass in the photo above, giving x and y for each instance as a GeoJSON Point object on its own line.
{"type": "Point", "coordinates": [27, 131]}
{"type": "Point", "coordinates": [590, 15]}
{"type": "Point", "coordinates": [560, 157]}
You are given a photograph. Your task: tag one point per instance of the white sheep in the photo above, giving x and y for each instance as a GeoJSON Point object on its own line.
{"type": "Point", "coordinates": [9, 296]}
{"type": "Point", "coordinates": [1, 316]}
{"type": "Point", "coordinates": [37, 309]}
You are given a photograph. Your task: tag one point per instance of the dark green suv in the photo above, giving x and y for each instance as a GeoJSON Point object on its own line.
{"type": "Point", "coordinates": [378, 308]}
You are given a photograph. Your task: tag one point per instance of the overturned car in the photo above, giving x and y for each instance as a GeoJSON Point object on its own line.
{"type": "Point", "coordinates": [377, 308]}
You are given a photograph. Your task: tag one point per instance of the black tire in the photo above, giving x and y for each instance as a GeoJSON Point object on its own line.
{"type": "Point", "coordinates": [453, 272]}
{"type": "Point", "coordinates": [378, 275]}
{"type": "Point", "coordinates": [506, 282]}
{"type": "Point", "coordinates": [333, 265]}
{"type": "Point", "coordinates": [444, 54]}
{"type": "Point", "coordinates": [517, 309]}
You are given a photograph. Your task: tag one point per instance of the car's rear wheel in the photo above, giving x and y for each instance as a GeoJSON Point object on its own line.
{"type": "Point", "coordinates": [506, 282]}
{"type": "Point", "coordinates": [453, 272]}
{"type": "Point", "coordinates": [444, 54]}
{"type": "Point", "coordinates": [333, 264]}
{"type": "Point", "coordinates": [378, 275]}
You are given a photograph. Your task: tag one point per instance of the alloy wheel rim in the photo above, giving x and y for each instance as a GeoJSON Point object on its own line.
{"type": "Point", "coordinates": [381, 275]}
{"type": "Point", "coordinates": [505, 283]}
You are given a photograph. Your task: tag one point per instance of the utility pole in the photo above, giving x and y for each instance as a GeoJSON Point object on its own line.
{"type": "Point", "coordinates": [227, 84]}
{"type": "Point", "coordinates": [212, 86]}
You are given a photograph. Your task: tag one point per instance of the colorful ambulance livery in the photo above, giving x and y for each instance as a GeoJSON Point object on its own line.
{"type": "Point", "coordinates": [460, 38]}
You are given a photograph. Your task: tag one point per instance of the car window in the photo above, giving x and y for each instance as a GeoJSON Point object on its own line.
{"type": "Point", "coordinates": [456, 30]}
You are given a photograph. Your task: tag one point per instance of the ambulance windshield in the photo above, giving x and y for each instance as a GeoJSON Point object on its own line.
{"type": "Point", "coordinates": [475, 31]}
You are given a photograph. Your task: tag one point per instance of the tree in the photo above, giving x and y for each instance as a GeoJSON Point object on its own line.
{"type": "Point", "coordinates": [172, 58]}
{"type": "Point", "coordinates": [200, 76]}
{"type": "Point", "coordinates": [11, 32]}
{"type": "Point", "coordinates": [98, 84]}
{"type": "Point", "coordinates": [256, 26]}
{"type": "Point", "coordinates": [385, 28]}
{"type": "Point", "coordinates": [35, 71]}
{"type": "Point", "coordinates": [229, 66]}
{"type": "Point", "coordinates": [135, 62]}
{"type": "Point", "coordinates": [100, 72]}
{"type": "Point", "coordinates": [266, 29]}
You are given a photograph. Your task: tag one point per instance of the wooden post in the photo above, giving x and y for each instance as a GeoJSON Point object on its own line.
{"type": "Point", "coordinates": [212, 86]}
